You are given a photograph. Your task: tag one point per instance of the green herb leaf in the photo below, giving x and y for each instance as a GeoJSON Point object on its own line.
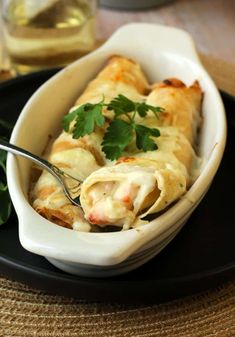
{"type": "Point", "coordinates": [87, 117]}
{"type": "Point", "coordinates": [5, 201]}
{"type": "Point", "coordinates": [121, 105]}
{"type": "Point", "coordinates": [118, 135]}
{"type": "Point", "coordinates": [3, 156]}
{"type": "Point", "coordinates": [143, 138]}
{"type": "Point", "coordinates": [67, 119]}
{"type": "Point", "coordinates": [143, 108]}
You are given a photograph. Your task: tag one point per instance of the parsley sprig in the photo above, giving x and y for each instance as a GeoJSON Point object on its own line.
{"type": "Point", "coordinates": [87, 117]}
{"type": "Point", "coordinates": [122, 129]}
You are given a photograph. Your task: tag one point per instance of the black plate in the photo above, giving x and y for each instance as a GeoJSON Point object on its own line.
{"type": "Point", "coordinates": [201, 256]}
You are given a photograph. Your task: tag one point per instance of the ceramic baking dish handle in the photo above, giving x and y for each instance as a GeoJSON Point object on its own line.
{"type": "Point", "coordinates": [156, 37]}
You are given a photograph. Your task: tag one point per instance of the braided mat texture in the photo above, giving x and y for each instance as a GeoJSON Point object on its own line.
{"type": "Point", "coordinates": [26, 312]}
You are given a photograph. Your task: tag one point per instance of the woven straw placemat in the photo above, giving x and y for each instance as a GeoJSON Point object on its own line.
{"type": "Point", "coordinates": [28, 312]}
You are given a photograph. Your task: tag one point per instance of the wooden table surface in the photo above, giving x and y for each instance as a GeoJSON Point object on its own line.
{"type": "Point", "coordinates": [210, 22]}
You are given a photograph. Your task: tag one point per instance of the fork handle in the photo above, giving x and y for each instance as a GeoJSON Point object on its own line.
{"type": "Point", "coordinates": [55, 171]}
{"type": "Point", "coordinates": [24, 153]}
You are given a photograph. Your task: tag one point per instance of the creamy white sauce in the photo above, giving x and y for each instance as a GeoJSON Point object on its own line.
{"type": "Point", "coordinates": [81, 162]}
{"type": "Point", "coordinates": [81, 226]}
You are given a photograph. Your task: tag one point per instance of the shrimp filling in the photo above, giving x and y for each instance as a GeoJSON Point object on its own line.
{"type": "Point", "coordinates": [118, 202]}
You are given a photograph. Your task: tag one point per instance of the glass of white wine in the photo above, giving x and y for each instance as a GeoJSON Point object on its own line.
{"type": "Point", "coordinates": [42, 34]}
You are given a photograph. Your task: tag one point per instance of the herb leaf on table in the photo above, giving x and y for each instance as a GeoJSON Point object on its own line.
{"type": "Point", "coordinates": [5, 201]}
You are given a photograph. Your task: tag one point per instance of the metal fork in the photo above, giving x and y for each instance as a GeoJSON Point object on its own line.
{"type": "Point", "coordinates": [71, 186]}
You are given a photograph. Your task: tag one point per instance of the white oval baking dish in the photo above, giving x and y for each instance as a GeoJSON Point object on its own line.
{"type": "Point", "coordinates": [162, 52]}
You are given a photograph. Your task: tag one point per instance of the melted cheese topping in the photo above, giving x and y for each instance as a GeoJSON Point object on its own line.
{"type": "Point", "coordinates": [71, 160]}
{"type": "Point", "coordinates": [174, 149]}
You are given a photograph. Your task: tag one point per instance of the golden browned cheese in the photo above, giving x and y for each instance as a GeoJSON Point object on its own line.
{"type": "Point", "coordinates": [182, 105]}
{"type": "Point", "coordinates": [120, 76]}
{"type": "Point", "coordinates": [80, 157]}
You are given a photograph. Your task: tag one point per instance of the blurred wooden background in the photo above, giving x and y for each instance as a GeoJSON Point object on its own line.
{"type": "Point", "coordinates": [210, 22]}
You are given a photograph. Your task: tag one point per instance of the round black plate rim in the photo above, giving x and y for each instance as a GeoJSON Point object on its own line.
{"type": "Point", "coordinates": [4, 259]}
{"type": "Point", "coordinates": [29, 77]}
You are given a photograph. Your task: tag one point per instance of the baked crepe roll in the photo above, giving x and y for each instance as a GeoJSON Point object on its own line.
{"type": "Point", "coordinates": [182, 106]}
{"type": "Point", "coordinates": [175, 148]}
{"type": "Point", "coordinates": [78, 158]}
{"type": "Point", "coordinates": [120, 76]}
{"type": "Point", "coordinates": [118, 195]}
{"type": "Point", "coordinates": [141, 183]}
{"type": "Point", "coordinates": [50, 202]}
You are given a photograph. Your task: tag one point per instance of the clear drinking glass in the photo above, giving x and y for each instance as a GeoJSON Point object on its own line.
{"type": "Point", "coordinates": [41, 34]}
